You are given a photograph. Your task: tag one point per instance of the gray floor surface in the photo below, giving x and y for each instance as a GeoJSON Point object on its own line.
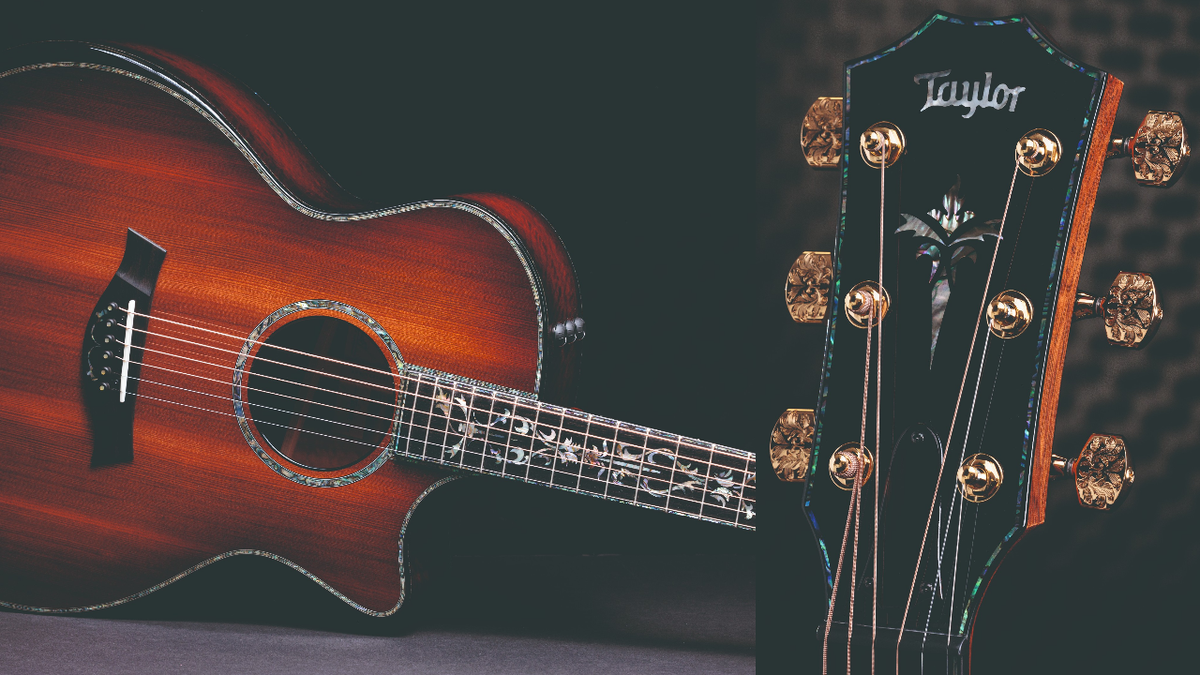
{"type": "Point", "coordinates": [66, 645]}
{"type": "Point", "coordinates": [629, 619]}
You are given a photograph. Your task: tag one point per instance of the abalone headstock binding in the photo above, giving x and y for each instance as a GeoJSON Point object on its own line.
{"type": "Point", "coordinates": [971, 153]}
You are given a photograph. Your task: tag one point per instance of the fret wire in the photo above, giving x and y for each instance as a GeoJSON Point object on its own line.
{"type": "Point", "coordinates": [483, 453]}
{"type": "Point", "coordinates": [742, 498]}
{"type": "Point", "coordinates": [490, 414]}
{"type": "Point", "coordinates": [552, 411]}
{"type": "Point", "coordinates": [707, 478]}
{"type": "Point", "coordinates": [537, 415]}
{"type": "Point", "coordinates": [611, 455]}
{"type": "Point", "coordinates": [637, 483]}
{"type": "Point", "coordinates": [554, 450]}
{"type": "Point", "coordinates": [462, 454]}
{"type": "Point", "coordinates": [671, 478]}
{"type": "Point", "coordinates": [579, 475]}
{"type": "Point", "coordinates": [508, 434]}
{"type": "Point", "coordinates": [412, 422]}
{"type": "Point", "coordinates": [429, 420]}
{"type": "Point", "coordinates": [425, 444]}
{"type": "Point", "coordinates": [597, 447]}
{"type": "Point", "coordinates": [508, 442]}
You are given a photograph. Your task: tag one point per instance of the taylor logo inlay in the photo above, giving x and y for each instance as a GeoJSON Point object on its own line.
{"type": "Point", "coordinates": [971, 97]}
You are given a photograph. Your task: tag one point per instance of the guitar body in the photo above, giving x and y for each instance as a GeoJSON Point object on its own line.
{"type": "Point", "coordinates": [95, 140]}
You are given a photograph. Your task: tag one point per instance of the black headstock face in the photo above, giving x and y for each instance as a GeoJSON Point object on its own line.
{"type": "Point", "coordinates": [960, 224]}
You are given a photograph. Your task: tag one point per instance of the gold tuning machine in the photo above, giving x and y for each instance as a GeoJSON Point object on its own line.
{"type": "Point", "coordinates": [1102, 471]}
{"type": "Point", "coordinates": [821, 133]}
{"type": "Point", "coordinates": [1159, 149]}
{"type": "Point", "coordinates": [792, 444]}
{"type": "Point", "coordinates": [807, 289]}
{"type": "Point", "coordinates": [1131, 310]}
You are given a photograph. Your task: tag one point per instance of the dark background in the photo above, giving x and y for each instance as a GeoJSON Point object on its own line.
{"type": "Point", "coordinates": [629, 128]}
{"type": "Point", "coordinates": [1087, 592]}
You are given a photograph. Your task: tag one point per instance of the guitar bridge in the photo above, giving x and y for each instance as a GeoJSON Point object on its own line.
{"type": "Point", "coordinates": [112, 350]}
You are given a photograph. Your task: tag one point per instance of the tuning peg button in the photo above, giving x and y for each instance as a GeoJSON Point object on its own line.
{"type": "Point", "coordinates": [821, 133]}
{"type": "Point", "coordinates": [1159, 149]}
{"type": "Point", "coordinates": [1130, 309]}
{"type": "Point", "coordinates": [792, 444]}
{"type": "Point", "coordinates": [807, 289]}
{"type": "Point", "coordinates": [1102, 471]}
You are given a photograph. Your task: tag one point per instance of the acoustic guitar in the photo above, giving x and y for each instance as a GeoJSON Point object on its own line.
{"type": "Point", "coordinates": [970, 153]}
{"type": "Point", "coordinates": [224, 353]}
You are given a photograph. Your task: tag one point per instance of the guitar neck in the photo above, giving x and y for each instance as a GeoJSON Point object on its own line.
{"type": "Point", "coordinates": [480, 428]}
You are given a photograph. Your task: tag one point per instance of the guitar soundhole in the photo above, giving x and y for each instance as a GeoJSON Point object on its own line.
{"type": "Point", "coordinates": [320, 393]}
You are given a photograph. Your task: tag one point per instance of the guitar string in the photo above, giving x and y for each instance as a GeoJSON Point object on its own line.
{"type": "Point", "coordinates": [403, 377]}
{"type": "Point", "coordinates": [743, 484]}
{"type": "Point", "coordinates": [987, 417]}
{"type": "Point", "coordinates": [878, 445]}
{"type": "Point", "coordinates": [935, 588]}
{"type": "Point", "coordinates": [856, 489]}
{"type": "Point", "coordinates": [483, 456]}
{"type": "Point", "coordinates": [954, 417]}
{"type": "Point", "coordinates": [837, 577]}
{"type": "Point", "coordinates": [966, 442]}
{"type": "Point", "coordinates": [874, 322]}
{"type": "Point", "coordinates": [241, 340]}
{"type": "Point", "coordinates": [857, 497]}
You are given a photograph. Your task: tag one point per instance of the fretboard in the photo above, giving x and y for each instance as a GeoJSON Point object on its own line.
{"type": "Point", "coordinates": [482, 429]}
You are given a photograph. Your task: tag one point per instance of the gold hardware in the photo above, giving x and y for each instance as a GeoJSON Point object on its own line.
{"type": "Point", "coordinates": [980, 478]}
{"type": "Point", "coordinates": [821, 133]}
{"type": "Point", "coordinates": [879, 139]}
{"type": "Point", "coordinates": [807, 287]}
{"type": "Point", "coordinates": [867, 303]}
{"type": "Point", "coordinates": [1038, 152]}
{"type": "Point", "coordinates": [845, 462]}
{"type": "Point", "coordinates": [1130, 309]}
{"type": "Point", "coordinates": [792, 443]}
{"type": "Point", "coordinates": [1159, 149]}
{"type": "Point", "coordinates": [1009, 314]}
{"type": "Point", "coordinates": [1102, 471]}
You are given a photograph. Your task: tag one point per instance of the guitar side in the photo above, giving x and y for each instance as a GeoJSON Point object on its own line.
{"type": "Point", "coordinates": [97, 139]}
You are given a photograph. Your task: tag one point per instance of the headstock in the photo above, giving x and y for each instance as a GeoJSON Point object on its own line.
{"type": "Point", "coordinates": [971, 154]}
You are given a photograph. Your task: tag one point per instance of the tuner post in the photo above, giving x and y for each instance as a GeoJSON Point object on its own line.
{"type": "Point", "coordinates": [867, 304]}
{"type": "Point", "coordinates": [882, 144]}
{"type": "Point", "coordinates": [847, 461]}
{"type": "Point", "coordinates": [1038, 152]}
{"type": "Point", "coordinates": [1009, 314]}
{"type": "Point", "coordinates": [979, 478]}
{"type": "Point", "coordinates": [1158, 150]}
{"type": "Point", "coordinates": [1102, 471]}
